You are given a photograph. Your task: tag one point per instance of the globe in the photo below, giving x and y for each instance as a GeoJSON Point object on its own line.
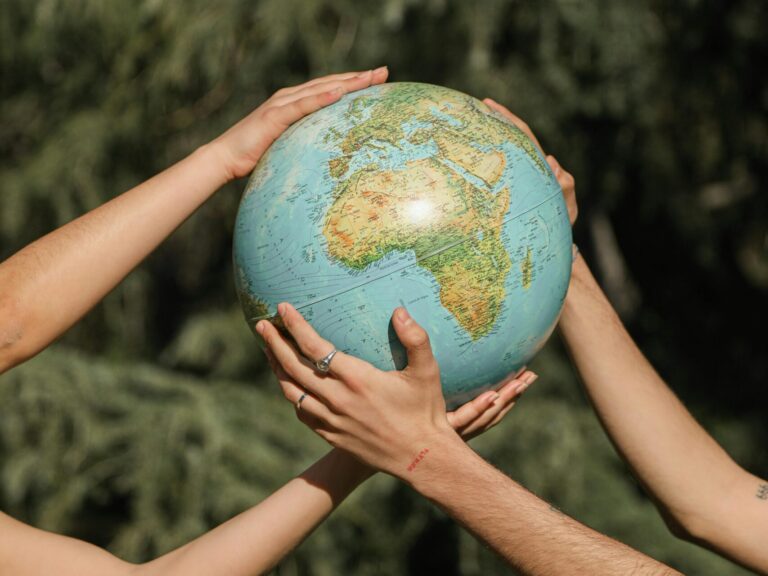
{"type": "Point", "coordinates": [408, 194]}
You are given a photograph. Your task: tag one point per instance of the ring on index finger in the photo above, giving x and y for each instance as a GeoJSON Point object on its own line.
{"type": "Point", "coordinates": [324, 364]}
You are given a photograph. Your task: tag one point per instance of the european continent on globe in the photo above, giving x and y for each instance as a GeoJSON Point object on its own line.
{"type": "Point", "coordinates": [416, 195]}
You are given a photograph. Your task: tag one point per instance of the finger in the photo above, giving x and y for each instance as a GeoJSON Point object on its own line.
{"type": "Point", "coordinates": [564, 178]}
{"type": "Point", "coordinates": [500, 416]}
{"type": "Point", "coordinates": [516, 120]}
{"type": "Point", "coordinates": [470, 411]}
{"type": "Point", "coordinates": [316, 416]}
{"type": "Point", "coordinates": [288, 90]}
{"type": "Point", "coordinates": [309, 409]}
{"type": "Point", "coordinates": [508, 394]}
{"type": "Point", "coordinates": [286, 109]}
{"type": "Point", "coordinates": [352, 84]}
{"type": "Point", "coordinates": [314, 347]}
{"type": "Point", "coordinates": [555, 166]}
{"type": "Point", "coordinates": [379, 73]}
{"type": "Point", "coordinates": [421, 361]}
{"type": "Point", "coordinates": [484, 422]}
{"type": "Point", "coordinates": [287, 358]}
{"type": "Point", "coordinates": [505, 395]}
{"type": "Point", "coordinates": [291, 112]}
{"type": "Point", "coordinates": [531, 378]}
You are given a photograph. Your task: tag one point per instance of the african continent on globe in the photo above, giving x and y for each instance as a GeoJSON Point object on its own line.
{"type": "Point", "coordinates": [410, 195]}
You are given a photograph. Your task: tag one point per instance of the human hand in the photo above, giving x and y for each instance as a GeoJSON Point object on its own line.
{"type": "Point", "coordinates": [565, 179]}
{"type": "Point", "coordinates": [386, 419]}
{"type": "Point", "coordinates": [241, 147]}
{"type": "Point", "coordinates": [484, 412]}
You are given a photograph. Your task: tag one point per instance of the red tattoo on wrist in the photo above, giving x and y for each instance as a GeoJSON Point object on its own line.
{"type": "Point", "coordinates": [419, 457]}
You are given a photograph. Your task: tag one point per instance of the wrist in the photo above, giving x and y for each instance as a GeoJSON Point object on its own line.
{"type": "Point", "coordinates": [215, 155]}
{"type": "Point", "coordinates": [578, 270]}
{"type": "Point", "coordinates": [433, 458]}
{"type": "Point", "coordinates": [338, 473]}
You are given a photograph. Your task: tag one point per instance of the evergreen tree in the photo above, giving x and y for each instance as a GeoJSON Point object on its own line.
{"type": "Point", "coordinates": [156, 419]}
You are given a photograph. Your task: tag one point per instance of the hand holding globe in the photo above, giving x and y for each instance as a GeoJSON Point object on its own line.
{"type": "Point", "coordinates": [416, 196]}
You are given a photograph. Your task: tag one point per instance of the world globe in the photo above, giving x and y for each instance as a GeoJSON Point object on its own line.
{"type": "Point", "coordinates": [413, 195]}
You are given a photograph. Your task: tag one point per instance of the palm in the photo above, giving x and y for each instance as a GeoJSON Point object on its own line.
{"type": "Point", "coordinates": [243, 145]}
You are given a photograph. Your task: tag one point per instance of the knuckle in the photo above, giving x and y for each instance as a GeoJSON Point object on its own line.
{"type": "Point", "coordinates": [333, 420]}
{"type": "Point", "coordinates": [328, 436]}
{"type": "Point", "coordinates": [272, 114]}
{"type": "Point", "coordinates": [307, 419]}
{"type": "Point", "coordinates": [338, 404]}
{"type": "Point", "coordinates": [286, 390]}
{"type": "Point", "coordinates": [313, 349]}
{"type": "Point", "coordinates": [420, 338]}
{"type": "Point", "coordinates": [433, 369]}
{"type": "Point", "coordinates": [290, 370]}
{"type": "Point", "coordinates": [269, 339]}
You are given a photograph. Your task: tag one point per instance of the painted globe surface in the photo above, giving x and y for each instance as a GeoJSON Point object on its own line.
{"type": "Point", "coordinates": [412, 195]}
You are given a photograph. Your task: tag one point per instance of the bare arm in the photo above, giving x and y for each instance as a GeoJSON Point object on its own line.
{"type": "Point", "coordinates": [395, 421]}
{"type": "Point", "coordinates": [702, 494]}
{"type": "Point", "coordinates": [699, 488]}
{"type": "Point", "coordinates": [49, 285]}
{"type": "Point", "coordinates": [257, 540]}
{"type": "Point", "coordinates": [248, 544]}
{"type": "Point", "coordinates": [530, 534]}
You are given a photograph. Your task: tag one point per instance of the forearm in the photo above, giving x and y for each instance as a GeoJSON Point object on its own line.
{"type": "Point", "coordinates": [256, 540]}
{"type": "Point", "coordinates": [672, 455]}
{"type": "Point", "coordinates": [248, 544]}
{"type": "Point", "coordinates": [527, 532]}
{"type": "Point", "coordinates": [47, 286]}
{"type": "Point", "coordinates": [688, 473]}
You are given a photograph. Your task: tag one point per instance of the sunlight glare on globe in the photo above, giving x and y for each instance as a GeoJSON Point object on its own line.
{"type": "Point", "coordinates": [419, 212]}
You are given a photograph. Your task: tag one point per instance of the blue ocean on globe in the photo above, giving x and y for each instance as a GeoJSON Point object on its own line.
{"type": "Point", "coordinates": [413, 195]}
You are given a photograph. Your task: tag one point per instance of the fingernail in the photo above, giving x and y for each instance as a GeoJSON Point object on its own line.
{"type": "Point", "coordinates": [495, 396]}
{"type": "Point", "coordinates": [363, 74]}
{"type": "Point", "coordinates": [522, 387]}
{"type": "Point", "coordinates": [403, 316]}
{"type": "Point", "coordinates": [532, 377]}
{"type": "Point", "coordinates": [260, 327]}
{"type": "Point", "coordinates": [491, 100]}
{"type": "Point", "coordinates": [281, 309]}
{"type": "Point", "coordinates": [380, 69]}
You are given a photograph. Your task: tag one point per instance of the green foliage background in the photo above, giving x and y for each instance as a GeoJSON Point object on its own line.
{"type": "Point", "coordinates": [155, 418]}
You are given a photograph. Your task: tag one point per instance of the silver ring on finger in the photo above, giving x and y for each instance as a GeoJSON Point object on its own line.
{"type": "Point", "coordinates": [324, 364]}
{"type": "Point", "coordinates": [300, 400]}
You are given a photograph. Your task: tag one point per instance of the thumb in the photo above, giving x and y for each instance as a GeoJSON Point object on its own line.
{"type": "Point", "coordinates": [421, 361]}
